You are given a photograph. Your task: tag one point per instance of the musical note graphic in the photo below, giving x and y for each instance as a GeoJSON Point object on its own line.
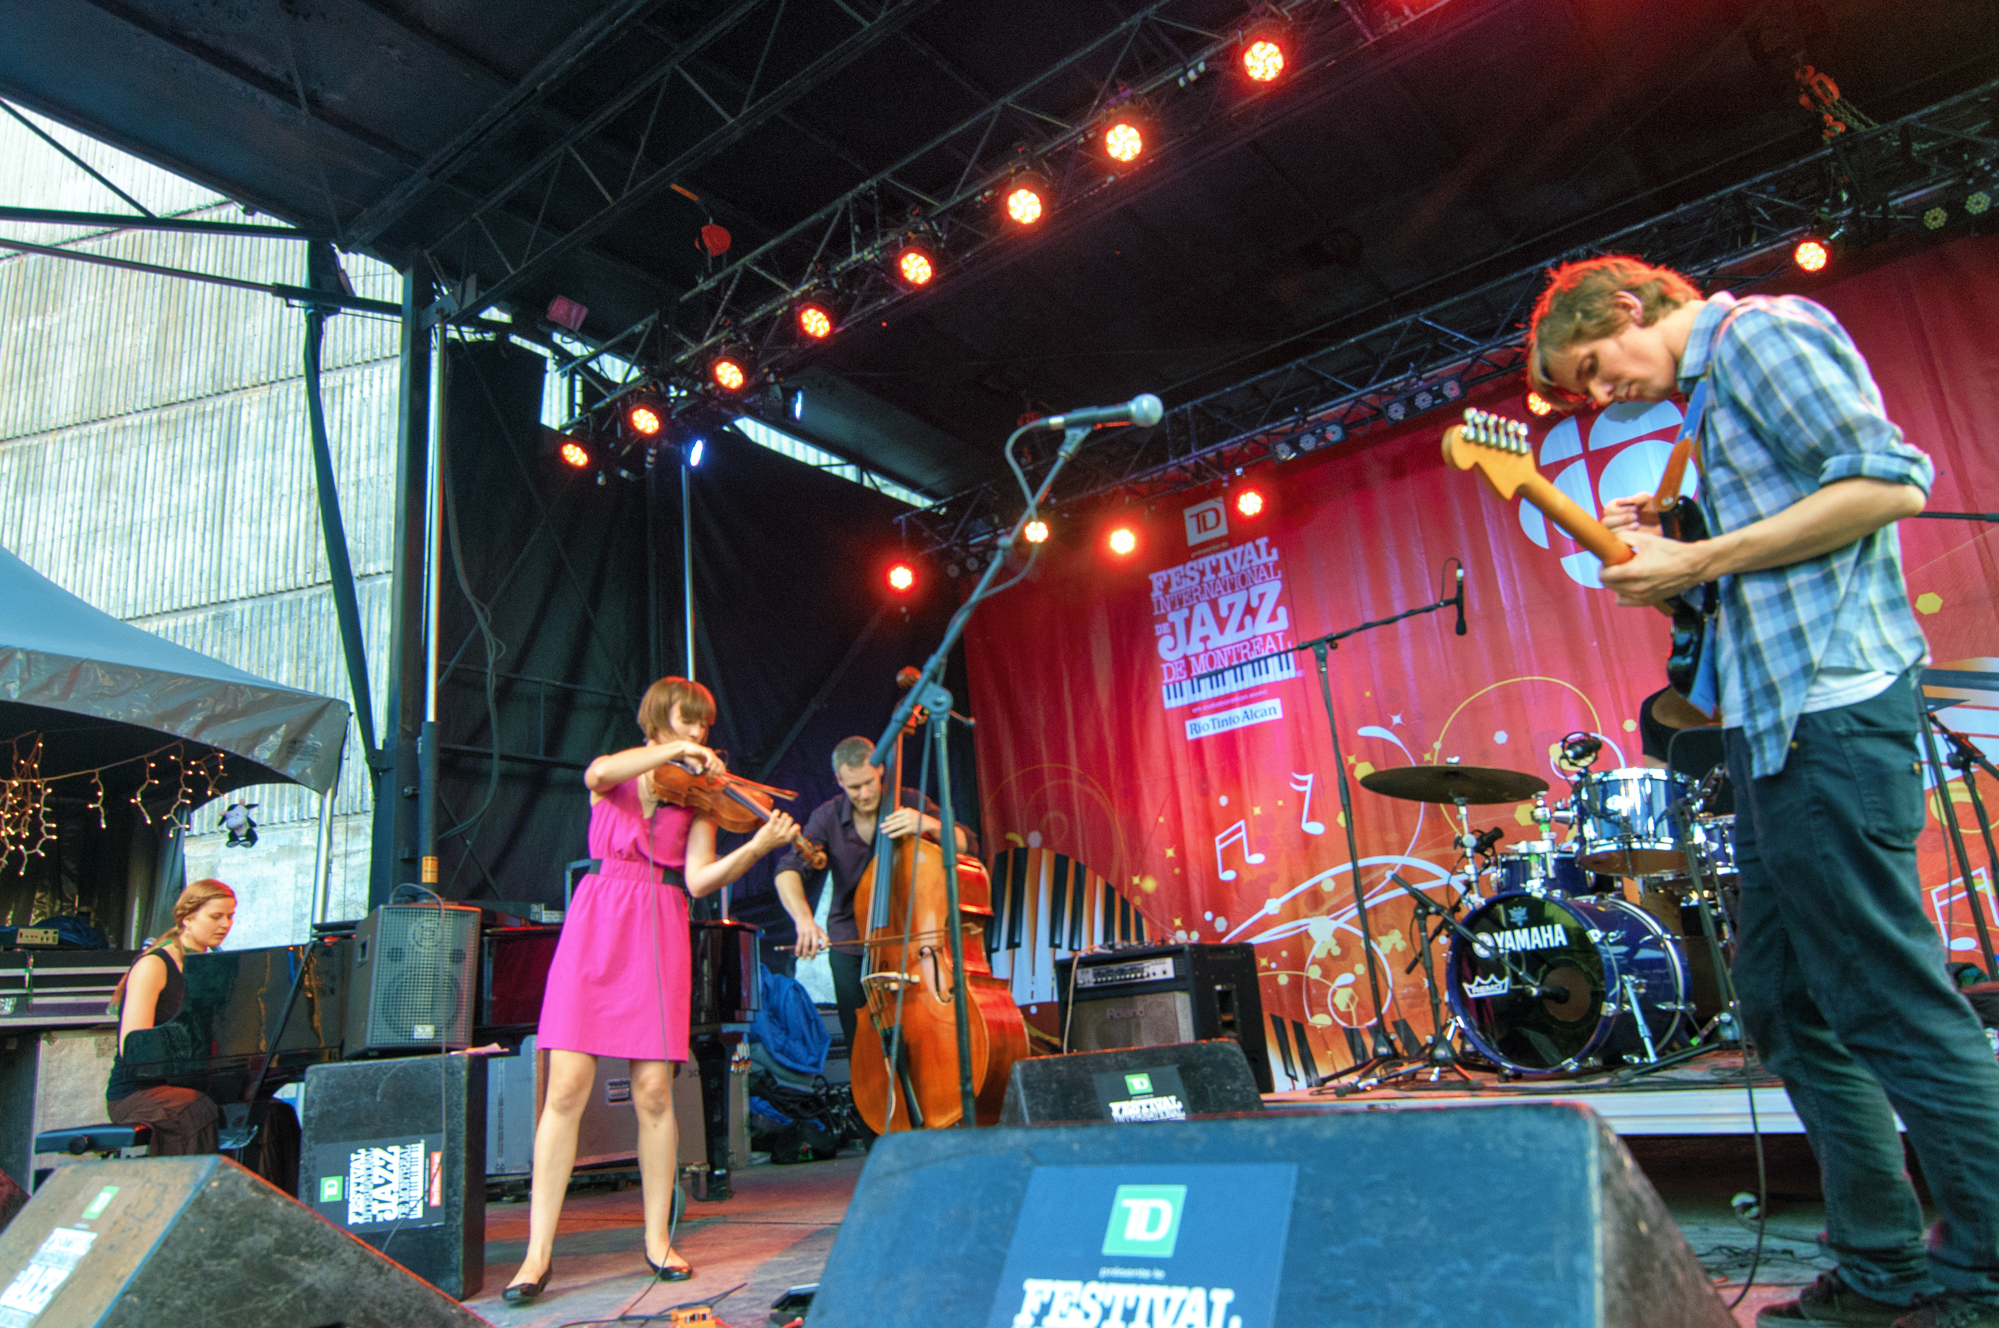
{"type": "Point", "coordinates": [1239, 832]}
{"type": "Point", "coordinates": [1305, 821]}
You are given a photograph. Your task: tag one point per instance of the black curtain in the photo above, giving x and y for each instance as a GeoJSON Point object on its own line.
{"type": "Point", "coordinates": [581, 584]}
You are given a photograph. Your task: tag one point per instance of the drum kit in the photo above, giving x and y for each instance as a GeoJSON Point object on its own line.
{"type": "Point", "coordinates": [1549, 969]}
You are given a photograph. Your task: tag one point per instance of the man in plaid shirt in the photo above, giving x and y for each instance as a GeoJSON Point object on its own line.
{"type": "Point", "coordinates": [1815, 652]}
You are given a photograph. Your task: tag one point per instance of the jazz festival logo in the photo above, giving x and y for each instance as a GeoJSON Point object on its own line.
{"type": "Point", "coordinates": [1623, 452]}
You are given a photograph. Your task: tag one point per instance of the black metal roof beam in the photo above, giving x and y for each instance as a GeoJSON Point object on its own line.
{"type": "Point", "coordinates": [894, 16]}
{"type": "Point", "coordinates": [547, 73]}
{"type": "Point", "coordinates": [120, 222]}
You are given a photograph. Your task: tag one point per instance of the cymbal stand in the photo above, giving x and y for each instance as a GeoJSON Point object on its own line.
{"type": "Point", "coordinates": [1439, 1057]}
{"type": "Point", "coordinates": [1964, 755]}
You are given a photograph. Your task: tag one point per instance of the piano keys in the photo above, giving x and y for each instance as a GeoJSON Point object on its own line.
{"type": "Point", "coordinates": [1048, 906]}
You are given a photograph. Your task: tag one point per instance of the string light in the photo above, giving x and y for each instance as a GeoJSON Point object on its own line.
{"type": "Point", "coordinates": [27, 820]}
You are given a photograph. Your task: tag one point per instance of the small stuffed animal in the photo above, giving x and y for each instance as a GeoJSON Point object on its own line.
{"type": "Point", "coordinates": [236, 820]}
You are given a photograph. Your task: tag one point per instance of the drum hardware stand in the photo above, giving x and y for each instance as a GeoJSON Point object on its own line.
{"type": "Point", "coordinates": [1964, 755]}
{"type": "Point", "coordinates": [1439, 1057]}
{"type": "Point", "coordinates": [1382, 1046]}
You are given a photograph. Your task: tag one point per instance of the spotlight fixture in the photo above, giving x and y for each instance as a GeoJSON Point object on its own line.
{"type": "Point", "coordinates": [1035, 532]}
{"type": "Point", "coordinates": [693, 452]}
{"type": "Point", "coordinates": [1125, 135]}
{"type": "Point", "coordinates": [816, 316]}
{"type": "Point", "coordinates": [1263, 54]}
{"type": "Point", "coordinates": [1539, 405]}
{"type": "Point", "coordinates": [574, 455]}
{"type": "Point", "coordinates": [1396, 410]}
{"type": "Point", "coordinates": [1284, 450]}
{"type": "Point", "coordinates": [730, 368]}
{"type": "Point", "coordinates": [901, 578]}
{"type": "Point", "coordinates": [1123, 541]}
{"type": "Point", "coordinates": [1026, 197]}
{"type": "Point", "coordinates": [915, 262]}
{"type": "Point", "coordinates": [1249, 503]}
{"type": "Point", "coordinates": [1812, 254]}
{"type": "Point", "coordinates": [1977, 201]}
{"type": "Point", "coordinates": [1936, 218]}
{"type": "Point", "coordinates": [645, 418]}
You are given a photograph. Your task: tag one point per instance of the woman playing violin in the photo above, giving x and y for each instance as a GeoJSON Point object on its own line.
{"type": "Point", "coordinates": [619, 984]}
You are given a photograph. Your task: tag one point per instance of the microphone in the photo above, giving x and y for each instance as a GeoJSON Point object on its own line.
{"type": "Point", "coordinates": [1144, 409]}
{"type": "Point", "coordinates": [1461, 599]}
{"type": "Point", "coordinates": [1582, 747]}
{"type": "Point", "coordinates": [1484, 842]}
{"type": "Point", "coordinates": [1538, 992]}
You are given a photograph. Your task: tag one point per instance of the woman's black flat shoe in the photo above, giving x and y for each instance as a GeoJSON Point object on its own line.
{"type": "Point", "coordinates": [524, 1293]}
{"type": "Point", "coordinates": [668, 1272]}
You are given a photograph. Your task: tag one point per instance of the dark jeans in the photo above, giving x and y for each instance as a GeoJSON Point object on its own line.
{"type": "Point", "coordinates": [847, 992]}
{"type": "Point", "coordinates": [185, 1122]}
{"type": "Point", "coordinates": [1845, 996]}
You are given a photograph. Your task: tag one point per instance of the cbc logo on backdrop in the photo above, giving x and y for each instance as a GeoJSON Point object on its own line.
{"type": "Point", "coordinates": [1624, 453]}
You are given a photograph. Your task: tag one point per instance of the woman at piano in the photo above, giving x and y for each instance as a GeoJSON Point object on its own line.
{"type": "Point", "coordinates": [184, 1120]}
{"type": "Point", "coordinates": [620, 982]}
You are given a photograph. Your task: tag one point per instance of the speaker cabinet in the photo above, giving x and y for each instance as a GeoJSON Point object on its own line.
{"type": "Point", "coordinates": [393, 1152]}
{"type": "Point", "coordinates": [1131, 1085]}
{"type": "Point", "coordinates": [1504, 1216]}
{"type": "Point", "coordinates": [1163, 994]}
{"type": "Point", "coordinates": [415, 969]}
{"type": "Point", "coordinates": [196, 1242]}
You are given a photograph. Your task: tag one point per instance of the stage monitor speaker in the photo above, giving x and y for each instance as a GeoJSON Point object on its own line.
{"type": "Point", "coordinates": [415, 968]}
{"type": "Point", "coordinates": [196, 1242]}
{"type": "Point", "coordinates": [1131, 1084]}
{"type": "Point", "coordinates": [1160, 994]}
{"type": "Point", "coordinates": [394, 1153]}
{"type": "Point", "coordinates": [1525, 1215]}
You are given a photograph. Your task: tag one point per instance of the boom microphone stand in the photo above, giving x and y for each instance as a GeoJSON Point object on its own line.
{"type": "Point", "coordinates": [930, 693]}
{"type": "Point", "coordinates": [1963, 756]}
{"type": "Point", "coordinates": [1383, 1046]}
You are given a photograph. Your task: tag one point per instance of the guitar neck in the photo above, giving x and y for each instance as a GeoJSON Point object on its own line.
{"type": "Point", "coordinates": [1585, 529]}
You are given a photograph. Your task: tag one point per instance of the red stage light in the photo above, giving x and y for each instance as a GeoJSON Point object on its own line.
{"type": "Point", "coordinates": [1035, 532]}
{"type": "Point", "coordinates": [1539, 405]}
{"type": "Point", "coordinates": [573, 455]}
{"type": "Point", "coordinates": [729, 371]}
{"type": "Point", "coordinates": [644, 420]}
{"type": "Point", "coordinates": [902, 578]}
{"type": "Point", "coordinates": [1249, 503]}
{"type": "Point", "coordinates": [1026, 196]}
{"type": "Point", "coordinates": [1124, 141]}
{"type": "Point", "coordinates": [1812, 254]}
{"type": "Point", "coordinates": [815, 320]}
{"type": "Point", "coordinates": [915, 265]}
{"type": "Point", "coordinates": [1124, 541]}
{"type": "Point", "coordinates": [1262, 58]}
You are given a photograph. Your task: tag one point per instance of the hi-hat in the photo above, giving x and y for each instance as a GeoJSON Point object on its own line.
{"type": "Point", "coordinates": [1453, 783]}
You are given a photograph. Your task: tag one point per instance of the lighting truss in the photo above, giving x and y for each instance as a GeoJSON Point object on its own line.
{"type": "Point", "coordinates": [1877, 184]}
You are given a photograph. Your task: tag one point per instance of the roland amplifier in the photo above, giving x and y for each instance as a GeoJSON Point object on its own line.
{"type": "Point", "coordinates": [1154, 995]}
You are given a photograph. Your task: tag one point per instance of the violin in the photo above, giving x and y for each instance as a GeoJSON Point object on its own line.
{"type": "Point", "coordinates": [733, 803]}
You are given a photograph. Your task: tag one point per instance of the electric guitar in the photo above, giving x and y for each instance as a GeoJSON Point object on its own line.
{"type": "Point", "coordinates": [1497, 448]}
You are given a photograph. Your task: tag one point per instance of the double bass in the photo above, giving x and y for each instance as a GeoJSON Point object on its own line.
{"type": "Point", "coordinates": [905, 1062]}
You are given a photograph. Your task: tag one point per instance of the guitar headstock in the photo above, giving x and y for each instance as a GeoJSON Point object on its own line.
{"type": "Point", "coordinates": [1496, 447]}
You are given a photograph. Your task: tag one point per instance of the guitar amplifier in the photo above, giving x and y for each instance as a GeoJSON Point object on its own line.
{"type": "Point", "coordinates": [1157, 995]}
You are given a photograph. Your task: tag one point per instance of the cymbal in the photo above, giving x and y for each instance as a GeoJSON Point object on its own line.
{"type": "Point", "coordinates": [1448, 783]}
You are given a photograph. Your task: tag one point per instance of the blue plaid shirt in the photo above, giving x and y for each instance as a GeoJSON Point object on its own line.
{"type": "Point", "coordinates": [1793, 408]}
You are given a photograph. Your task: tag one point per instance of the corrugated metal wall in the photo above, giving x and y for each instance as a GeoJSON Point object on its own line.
{"type": "Point", "coordinates": [155, 460]}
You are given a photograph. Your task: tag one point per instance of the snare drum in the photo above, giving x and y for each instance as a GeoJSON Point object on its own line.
{"type": "Point", "coordinates": [1607, 979]}
{"type": "Point", "coordinates": [1540, 866]}
{"type": "Point", "coordinates": [1714, 840]}
{"type": "Point", "coordinates": [1624, 821]}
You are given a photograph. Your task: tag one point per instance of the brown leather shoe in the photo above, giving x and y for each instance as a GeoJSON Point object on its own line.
{"type": "Point", "coordinates": [1831, 1301]}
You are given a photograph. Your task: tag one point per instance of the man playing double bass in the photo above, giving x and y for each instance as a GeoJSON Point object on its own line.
{"type": "Point", "coordinates": [845, 827]}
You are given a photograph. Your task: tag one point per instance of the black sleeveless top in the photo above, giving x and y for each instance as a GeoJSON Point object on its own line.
{"type": "Point", "coordinates": [122, 1083]}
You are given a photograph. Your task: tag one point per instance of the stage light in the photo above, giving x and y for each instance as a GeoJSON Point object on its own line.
{"type": "Point", "coordinates": [1263, 57]}
{"type": "Point", "coordinates": [1539, 405]}
{"type": "Point", "coordinates": [1124, 138]}
{"type": "Point", "coordinates": [1035, 532]}
{"type": "Point", "coordinates": [730, 368]}
{"type": "Point", "coordinates": [1123, 541]}
{"type": "Point", "coordinates": [1936, 218]}
{"type": "Point", "coordinates": [694, 451]}
{"type": "Point", "coordinates": [915, 263]}
{"type": "Point", "coordinates": [1812, 254]}
{"type": "Point", "coordinates": [816, 316]}
{"type": "Point", "coordinates": [644, 419]}
{"type": "Point", "coordinates": [1026, 197]}
{"type": "Point", "coordinates": [1249, 503]}
{"type": "Point", "coordinates": [902, 578]}
{"type": "Point", "coordinates": [574, 454]}
{"type": "Point", "coordinates": [1977, 201]}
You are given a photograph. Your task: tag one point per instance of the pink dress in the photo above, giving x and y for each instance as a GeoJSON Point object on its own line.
{"type": "Point", "coordinates": [620, 979]}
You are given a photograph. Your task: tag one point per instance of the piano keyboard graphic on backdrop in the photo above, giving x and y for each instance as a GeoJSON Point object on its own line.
{"type": "Point", "coordinates": [1047, 905]}
{"type": "Point", "coordinates": [1238, 679]}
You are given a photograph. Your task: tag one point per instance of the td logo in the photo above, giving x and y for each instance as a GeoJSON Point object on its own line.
{"type": "Point", "coordinates": [1138, 1085]}
{"type": "Point", "coordinates": [1145, 1220]}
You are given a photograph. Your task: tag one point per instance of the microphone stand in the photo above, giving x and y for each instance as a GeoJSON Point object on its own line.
{"type": "Point", "coordinates": [1382, 1047]}
{"type": "Point", "coordinates": [1965, 755]}
{"type": "Point", "coordinates": [930, 693]}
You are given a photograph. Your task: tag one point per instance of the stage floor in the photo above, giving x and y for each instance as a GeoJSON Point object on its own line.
{"type": "Point", "coordinates": [1704, 1096]}
{"type": "Point", "coordinates": [779, 1228]}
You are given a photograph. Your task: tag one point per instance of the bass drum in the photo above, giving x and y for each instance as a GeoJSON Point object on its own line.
{"type": "Point", "coordinates": [1602, 978]}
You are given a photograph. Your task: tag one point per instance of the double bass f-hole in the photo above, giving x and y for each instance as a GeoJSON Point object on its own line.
{"type": "Point", "coordinates": [945, 991]}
